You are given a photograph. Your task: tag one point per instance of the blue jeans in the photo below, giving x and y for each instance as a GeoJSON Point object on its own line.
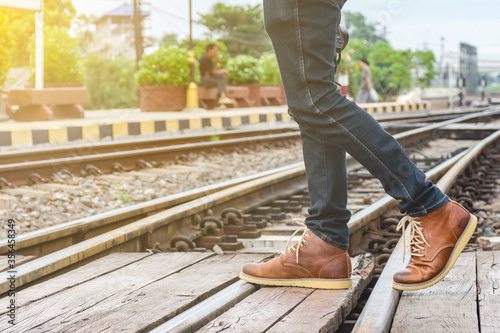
{"type": "Point", "coordinates": [303, 35]}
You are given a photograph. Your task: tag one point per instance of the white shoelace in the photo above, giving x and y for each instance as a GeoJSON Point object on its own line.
{"type": "Point", "coordinates": [302, 240]}
{"type": "Point", "coordinates": [417, 237]}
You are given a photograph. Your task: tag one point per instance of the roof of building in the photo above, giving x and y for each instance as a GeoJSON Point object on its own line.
{"type": "Point", "coordinates": [121, 11]}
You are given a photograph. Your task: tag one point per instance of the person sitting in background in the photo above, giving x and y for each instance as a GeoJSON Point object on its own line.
{"type": "Point", "coordinates": [365, 86]}
{"type": "Point", "coordinates": [213, 76]}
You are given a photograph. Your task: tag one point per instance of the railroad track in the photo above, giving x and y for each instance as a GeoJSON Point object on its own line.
{"type": "Point", "coordinates": [42, 242]}
{"type": "Point", "coordinates": [172, 224]}
{"type": "Point", "coordinates": [56, 194]}
{"type": "Point", "coordinates": [95, 162]}
{"type": "Point", "coordinates": [39, 165]}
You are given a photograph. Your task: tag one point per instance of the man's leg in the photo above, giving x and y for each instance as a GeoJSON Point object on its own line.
{"type": "Point", "coordinates": [208, 81]}
{"type": "Point", "coordinates": [221, 80]}
{"type": "Point", "coordinates": [325, 164]}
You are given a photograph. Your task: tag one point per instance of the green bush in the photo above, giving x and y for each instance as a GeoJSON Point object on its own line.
{"type": "Point", "coordinates": [243, 69]}
{"type": "Point", "coordinates": [110, 83]}
{"type": "Point", "coordinates": [270, 72]}
{"type": "Point", "coordinates": [7, 45]}
{"type": "Point", "coordinates": [168, 66]}
{"type": "Point", "coordinates": [63, 61]}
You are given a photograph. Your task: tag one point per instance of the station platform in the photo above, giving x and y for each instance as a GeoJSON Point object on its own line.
{"type": "Point", "coordinates": [98, 125]}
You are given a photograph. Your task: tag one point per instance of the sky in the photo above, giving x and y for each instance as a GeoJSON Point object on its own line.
{"type": "Point", "coordinates": [410, 24]}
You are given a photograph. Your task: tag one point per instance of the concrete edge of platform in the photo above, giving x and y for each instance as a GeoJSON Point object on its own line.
{"type": "Point", "coordinates": [394, 107]}
{"type": "Point", "coordinates": [121, 128]}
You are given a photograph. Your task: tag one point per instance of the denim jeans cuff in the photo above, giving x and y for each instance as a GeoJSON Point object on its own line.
{"type": "Point", "coordinates": [430, 209]}
{"type": "Point", "coordinates": [329, 240]}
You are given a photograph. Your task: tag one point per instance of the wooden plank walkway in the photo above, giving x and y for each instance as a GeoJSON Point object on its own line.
{"type": "Point", "coordinates": [144, 292]}
{"type": "Point", "coordinates": [278, 309]}
{"type": "Point", "coordinates": [466, 300]}
{"type": "Point", "coordinates": [136, 292]}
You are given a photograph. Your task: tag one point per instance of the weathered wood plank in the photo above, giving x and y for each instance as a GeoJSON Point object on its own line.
{"type": "Point", "coordinates": [86, 295]}
{"type": "Point", "coordinates": [77, 276]}
{"type": "Point", "coordinates": [258, 311]}
{"type": "Point", "coordinates": [325, 310]}
{"type": "Point", "coordinates": [281, 309]}
{"type": "Point", "coordinates": [448, 306]}
{"type": "Point", "coordinates": [4, 265]}
{"type": "Point", "coordinates": [144, 308]}
{"type": "Point", "coordinates": [488, 282]}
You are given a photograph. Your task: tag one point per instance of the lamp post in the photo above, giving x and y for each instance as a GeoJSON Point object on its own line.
{"type": "Point", "coordinates": [192, 91]}
{"type": "Point", "coordinates": [39, 56]}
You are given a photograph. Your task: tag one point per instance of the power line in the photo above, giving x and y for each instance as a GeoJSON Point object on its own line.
{"type": "Point", "coordinates": [168, 21]}
{"type": "Point", "coordinates": [173, 4]}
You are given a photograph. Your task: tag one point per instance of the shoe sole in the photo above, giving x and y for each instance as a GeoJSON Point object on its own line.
{"type": "Point", "coordinates": [304, 283]}
{"type": "Point", "coordinates": [462, 241]}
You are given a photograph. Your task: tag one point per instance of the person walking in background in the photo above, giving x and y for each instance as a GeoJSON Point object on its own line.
{"type": "Point", "coordinates": [303, 33]}
{"type": "Point", "coordinates": [214, 76]}
{"type": "Point", "coordinates": [365, 84]}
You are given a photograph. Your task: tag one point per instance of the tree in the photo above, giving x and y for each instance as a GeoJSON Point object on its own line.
{"type": "Point", "coordinates": [63, 61]}
{"type": "Point", "coordinates": [110, 83]}
{"type": "Point", "coordinates": [360, 28]}
{"type": "Point", "coordinates": [81, 27]}
{"type": "Point", "coordinates": [7, 43]}
{"type": "Point", "coordinates": [169, 39]}
{"type": "Point", "coordinates": [23, 25]}
{"type": "Point", "coordinates": [51, 13]}
{"type": "Point", "coordinates": [270, 72]}
{"type": "Point", "coordinates": [240, 27]}
{"type": "Point", "coordinates": [391, 69]}
{"type": "Point", "coordinates": [424, 67]}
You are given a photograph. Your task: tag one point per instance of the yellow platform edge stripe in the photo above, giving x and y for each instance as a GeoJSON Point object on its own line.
{"type": "Point", "coordinates": [122, 128]}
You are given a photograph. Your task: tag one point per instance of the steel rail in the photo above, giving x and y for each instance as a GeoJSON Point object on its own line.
{"type": "Point", "coordinates": [83, 149]}
{"type": "Point", "coordinates": [379, 311]}
{"type": "Point", "coordinates": [18, 173]}
{"type": "Point", "coordinates": [47, 240]}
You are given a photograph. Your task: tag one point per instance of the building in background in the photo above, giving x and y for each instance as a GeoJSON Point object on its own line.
{"type": "Point", "coordinates": [114, 33]}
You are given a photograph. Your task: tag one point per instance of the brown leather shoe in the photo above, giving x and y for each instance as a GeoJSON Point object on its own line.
{"type": "Point", "coordinates": [436, 241]}
{"type": "Point", "coordinates": [312, 263]}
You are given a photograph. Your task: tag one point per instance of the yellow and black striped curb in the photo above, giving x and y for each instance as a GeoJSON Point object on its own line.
{"type": "Point", "coordinates": [100, 131]}
{"type": "Point", "coordinates": [124, 128]}
{"type": "Point", "coordinates": [393, 107]}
